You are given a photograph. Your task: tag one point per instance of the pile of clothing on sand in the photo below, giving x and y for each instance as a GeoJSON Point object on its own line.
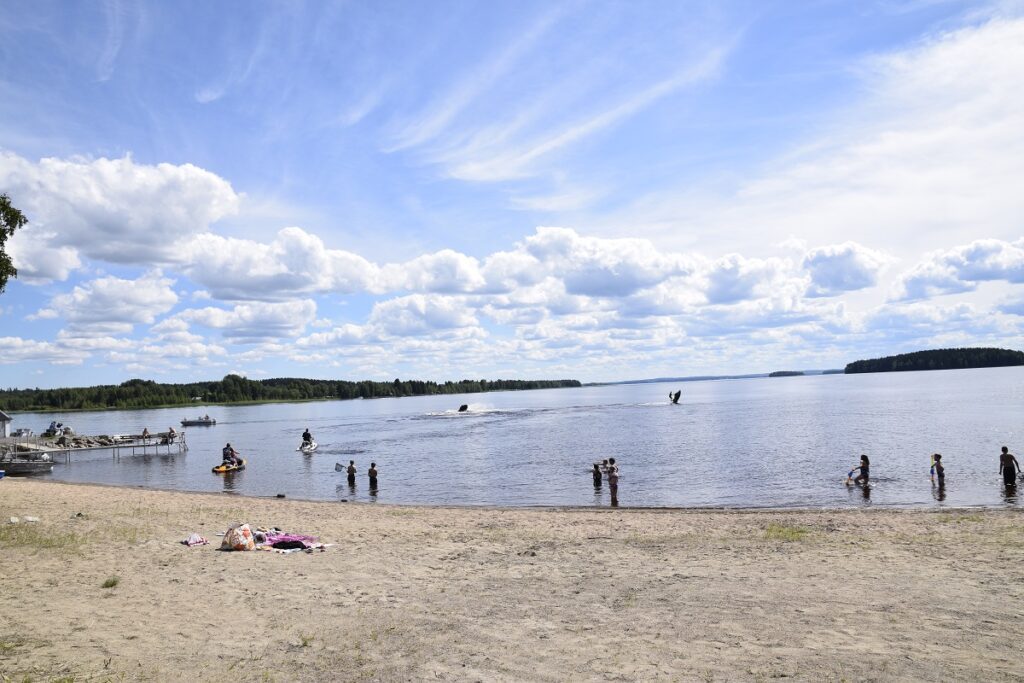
{"type": "Point", "coordinates": [243, 537]}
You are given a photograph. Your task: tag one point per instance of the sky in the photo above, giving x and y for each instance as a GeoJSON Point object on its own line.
{"type": "Point", "coordinates": [595, 190]}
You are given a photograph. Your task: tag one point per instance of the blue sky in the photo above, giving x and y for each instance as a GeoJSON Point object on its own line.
{"type": "Point", "coordinates": [596, 190]}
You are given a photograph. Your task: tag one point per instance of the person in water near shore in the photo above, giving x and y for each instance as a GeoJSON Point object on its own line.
{"type": "Point", "coordinates": [1008, 467]}
{"type": "Point", "coordinates": [938, 470]}
{"type": "Point", "coordinates": [597, 475]}
{"type": "Point", "coordinates": [864, 466]}
{"type": "Point", "coordinates": [372, 472]}
{"type": "Point", "coordinates": [307, 438]}
{"type": "Point", "coordinates": [351, 469]}
{"type": "Point", "coordinates": [613, 481]}
{"type": "Point", "coordinates": [230, 455]}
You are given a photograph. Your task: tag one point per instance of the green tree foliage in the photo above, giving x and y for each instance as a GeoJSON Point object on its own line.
{"type": "Point", "coordinates": [10, 220]}
{"type": "Point", "coordinates": [939, 359]}
{"type": "Point", "coordinates": [140, 393]}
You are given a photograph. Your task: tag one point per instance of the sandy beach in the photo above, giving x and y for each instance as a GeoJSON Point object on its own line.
{"type": "Point", "coordinates": [409, 593]}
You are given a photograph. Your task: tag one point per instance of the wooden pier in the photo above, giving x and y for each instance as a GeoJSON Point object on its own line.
{"type": "Point", "coordinates": [35, 446]}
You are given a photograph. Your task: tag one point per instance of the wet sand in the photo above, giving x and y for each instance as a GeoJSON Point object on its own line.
{"type": "Point", "coordinates": [414, 593]}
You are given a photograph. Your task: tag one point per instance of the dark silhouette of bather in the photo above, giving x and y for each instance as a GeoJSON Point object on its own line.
{"type": "Point", "coordinates": [675, 397]}
{"type": "Point", "coordinates": [463, 408]}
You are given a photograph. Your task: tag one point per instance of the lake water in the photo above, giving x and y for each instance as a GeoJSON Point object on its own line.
{"type": "Point", "coordinates": [771, 442]}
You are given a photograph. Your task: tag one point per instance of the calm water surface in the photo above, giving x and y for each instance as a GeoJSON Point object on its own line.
{"type": "Point", "coordinates": [737, 443]}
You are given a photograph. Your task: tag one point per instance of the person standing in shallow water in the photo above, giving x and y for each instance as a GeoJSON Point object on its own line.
{"type": "Point", "coordinates": [597, 475]}
{"type": "Point", "coordinates": [351, 469]}
{"type": "Point", "coordinates": [938, 469]}
{"type": "Point", "coordinates": [613, 481]}
{"type": "Point", "coordinates": [1008, 467]}
{"type": "Point", "coordinates": [372, 472]}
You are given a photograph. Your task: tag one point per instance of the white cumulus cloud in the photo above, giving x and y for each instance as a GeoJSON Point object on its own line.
{"type": "Point", "coordinates": [845, 267]}
{"type": "Point", "coordinates": [112, 303]}
{"type": "Point", "coordinates": [256, 321]}
{"type": "Point", "coordinates": [110, 209]}
{"type": "Point", "coordinates": [961, 269]}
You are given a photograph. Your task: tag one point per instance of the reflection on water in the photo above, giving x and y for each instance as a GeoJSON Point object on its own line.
{"type": "Point", "coordinates": [1010, 495]}
{"type": "Point", "coordinates": [739, 443]}
{"type": "Point", "coordinates": [232, 481]}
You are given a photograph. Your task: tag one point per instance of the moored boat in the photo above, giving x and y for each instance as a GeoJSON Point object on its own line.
{"type": "Point", "coordinates": [36, 464]}
{"type": "Point", "coordinates": [199, 422]}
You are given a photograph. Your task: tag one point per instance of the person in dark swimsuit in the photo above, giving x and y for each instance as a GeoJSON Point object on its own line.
{"type": "Point", "coordinates": [864, 466]}
{"type": "Point", "coordinates": [351, 469]}
{"type": "Point", "coordinates": [938, 469]}
{"type": "Point", "coordinates": [1008, 467]}
{"type": "Point", "coordinates": [307, 438]}
{"type": "Point", "coordinates": [373, 476]}
{"type": "Point", "coordinates": [597, 475]}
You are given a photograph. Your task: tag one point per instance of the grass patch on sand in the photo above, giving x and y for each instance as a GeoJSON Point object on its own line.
{"type": "Point", "coordinates": [111, 581]}
{"type": "Point", "coordinates": [947, 518]}
{"type": "Point", "coordinates": [784, 532]}
{"type": "Point", "coordinates": [38, 537]}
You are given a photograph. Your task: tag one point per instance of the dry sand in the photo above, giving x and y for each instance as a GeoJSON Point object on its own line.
{"type": "Point", "coordinates": [491, 594]}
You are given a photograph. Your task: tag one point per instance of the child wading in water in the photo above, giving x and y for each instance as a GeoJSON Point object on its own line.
{"type": "Point", "coordinates": [864, 466]}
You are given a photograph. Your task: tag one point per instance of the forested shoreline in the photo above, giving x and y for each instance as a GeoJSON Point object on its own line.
{"type": "Point", "coordinates": [939, 359]}
{"type": "Point", "coordinates": [140, 393]}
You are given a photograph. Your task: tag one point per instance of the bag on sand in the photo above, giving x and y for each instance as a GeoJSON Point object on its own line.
{"type": "Point", "coordinates": [238, 538]}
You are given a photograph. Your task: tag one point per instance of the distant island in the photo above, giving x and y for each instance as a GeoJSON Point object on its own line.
{"type": "Point", "coordinates": [786, 373]}
{"type": "Point", "coordinates": [140, 393]}
{"type": "Point", "coordinates": [939, 359]}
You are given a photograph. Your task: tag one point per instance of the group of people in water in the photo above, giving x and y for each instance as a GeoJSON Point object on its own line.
{"type": "Point", "coordinates": [351, 470]}
{"type": "Point", "coordinates": [1009, 468]}
{"type": "Point", "coordinates": [231, 458]}
{"type": "Point", "coordinates": [608, 469]}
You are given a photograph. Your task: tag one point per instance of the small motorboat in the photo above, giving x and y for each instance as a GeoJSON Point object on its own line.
{"type": "Point", "coordinates": [308, 446]}
{"type": "Point", "coordinates": [222, 468]}
{"type": "Point", "coordinates": [199, 422]}
{"type": "Point", "coordinates": [16, 463]}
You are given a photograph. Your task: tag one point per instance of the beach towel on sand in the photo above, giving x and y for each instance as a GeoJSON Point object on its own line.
{"type": "Point", "coordinates": [194, 539]}
{"type": "Point", "coordinates": [238, 538]}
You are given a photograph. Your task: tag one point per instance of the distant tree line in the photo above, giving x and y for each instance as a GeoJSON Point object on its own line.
{"type": "Point", "coordinates": [939, 359]}
{"type": "Point", "coordinates": [140, 393]}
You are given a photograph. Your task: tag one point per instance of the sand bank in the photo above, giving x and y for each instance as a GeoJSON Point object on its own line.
{"type": "Point", "coordinates": [470, 594]}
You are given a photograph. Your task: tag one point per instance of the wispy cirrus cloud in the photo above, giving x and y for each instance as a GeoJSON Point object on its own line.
{"type": "Point", "coordinates": [440, 114]}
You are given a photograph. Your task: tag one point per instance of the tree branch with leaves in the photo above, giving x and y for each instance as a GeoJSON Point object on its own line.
{"type": "Point", "coordinates": [10, 220]}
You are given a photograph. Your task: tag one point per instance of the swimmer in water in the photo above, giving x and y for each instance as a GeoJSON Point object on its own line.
{"type": "Point", "coordinates": [1008, 467]}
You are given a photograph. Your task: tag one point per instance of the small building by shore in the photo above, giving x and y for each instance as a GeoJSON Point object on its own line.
{"type": "Point", "coordinates": [5, 424]}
